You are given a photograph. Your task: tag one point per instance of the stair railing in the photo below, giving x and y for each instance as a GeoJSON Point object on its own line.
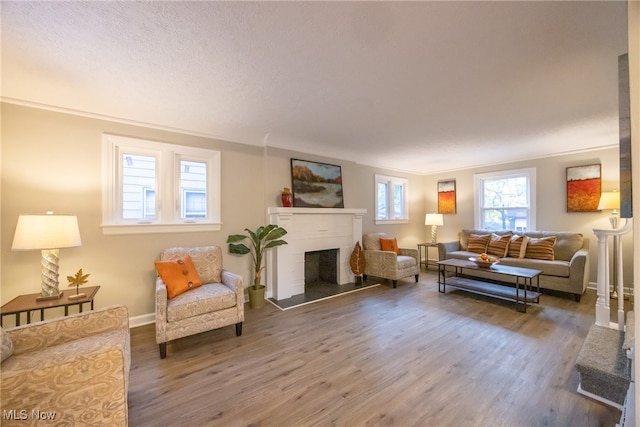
{"type": "Point", "coordinates": [603, 311]}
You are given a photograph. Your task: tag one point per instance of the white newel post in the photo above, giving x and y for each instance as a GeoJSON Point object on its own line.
{"type": "Point", "coordinates": [603, 314]}
{"type": "Point", "coordinates": [310, 229]}
{"type": "Point", "coordinates": [603, 310]}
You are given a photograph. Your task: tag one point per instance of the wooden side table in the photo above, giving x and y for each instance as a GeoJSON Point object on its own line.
{"type": "Point", "coordinates": [28, 303]}
{"type": "Point", "coordinates": [425, 261]}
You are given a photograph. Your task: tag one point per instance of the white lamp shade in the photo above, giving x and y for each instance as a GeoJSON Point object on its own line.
{"type": "Point", "coordinates": [434, 219]}
{"type": "Point", "coordinates": [609, 200]}
{"type": "Point", "coordinates": [46, 232]}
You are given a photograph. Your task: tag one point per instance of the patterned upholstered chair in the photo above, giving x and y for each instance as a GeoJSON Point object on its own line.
{"type": "Point", "coordinates": [217, 303]}
{"type": "Point", "coordinates": [388, 264]}
{"type": "Point", "coordinates": [76, 367]}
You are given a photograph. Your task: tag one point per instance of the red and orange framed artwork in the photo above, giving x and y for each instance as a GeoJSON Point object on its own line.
{"type": "Point", "coordinates": [583, 188]}
{"type": "Point", "coordinates": [447, 197]}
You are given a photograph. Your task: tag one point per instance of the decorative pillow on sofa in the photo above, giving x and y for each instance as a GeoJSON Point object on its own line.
{"type": "Point", "coordinates": [389, 245]}
{"type": "Point", "coordinates": [517, 246]}
{"type": "Point", "coordinates": [541, 248]}
{"type": "Point", "coordinates": [7, 345]}
{"type": "Point", "coordinates": [498, 245]}
{"type": "Point", "coordinates": [179, 275]}
{"type": "Point", "coordinates": [478, 243]}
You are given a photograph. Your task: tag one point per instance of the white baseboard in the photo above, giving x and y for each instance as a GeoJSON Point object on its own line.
{"type": "Point", "coordinates": [145, 319]}
{"type": "Point", "coordinates": [627, 290]}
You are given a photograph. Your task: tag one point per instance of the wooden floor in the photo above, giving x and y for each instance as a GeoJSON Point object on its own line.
{"type": "Point", "coordinates": [408, 356]}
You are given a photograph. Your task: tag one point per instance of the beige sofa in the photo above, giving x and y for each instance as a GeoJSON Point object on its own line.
{"type": "Point", "coordinates": [71, 370]}
{"type": "Point", "coordinates": [567, 272]}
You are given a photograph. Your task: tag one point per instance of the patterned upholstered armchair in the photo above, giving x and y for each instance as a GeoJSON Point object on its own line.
{"type": "Point", "coordinates": [217, 303]}
{"type": "Point", "coordinates": [388, 264]}
{"type": "Point", "coordinates": [74, 369]}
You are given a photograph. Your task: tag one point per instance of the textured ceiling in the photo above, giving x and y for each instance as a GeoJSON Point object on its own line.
{"type": "Point", "coordinates": [422, 87]}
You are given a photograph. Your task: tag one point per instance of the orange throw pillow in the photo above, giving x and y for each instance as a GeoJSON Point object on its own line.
{"type": "Point", "coordinates": [179, 275]}
{"type": "Point", "coordinates": [389, 245]}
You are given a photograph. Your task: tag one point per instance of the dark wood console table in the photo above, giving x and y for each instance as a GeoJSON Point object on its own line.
{"type": "Point", "coordinates": [28, 303]}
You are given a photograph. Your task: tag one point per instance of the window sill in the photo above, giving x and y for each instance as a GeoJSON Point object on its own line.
{"type": "Point", "coordinates": [392, 221]}
{"type": "Point", "coordinates": [108, 229]}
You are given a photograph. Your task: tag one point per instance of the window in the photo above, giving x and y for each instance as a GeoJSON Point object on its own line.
{"type": "Point", "coordinates": [150, 186]}
{"type": "Point", "coordinates": [506, 200]}
{"type": "Point", "coordinates": [391, 199]}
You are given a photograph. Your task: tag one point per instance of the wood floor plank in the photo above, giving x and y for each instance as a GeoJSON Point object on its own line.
{"type": "Point", "coordinates": [409, 356]}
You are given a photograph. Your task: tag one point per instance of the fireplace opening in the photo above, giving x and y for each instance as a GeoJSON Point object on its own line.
{"type": "Point", "coordinates": [321, 267]}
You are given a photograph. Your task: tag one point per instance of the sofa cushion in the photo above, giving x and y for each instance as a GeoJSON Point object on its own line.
{"type": "Point", "coordinates": [68, 352]}
{"type": "Point", "coordinates": [179, 275]}
{"type": "Point", "coordinates": [517, 246]}
{"type": "Point", "coordinates": [478, 243]}
{"type": "Point", "coordinates": [404, 261]}
{"type": "Point", "coordinates": [461, 255]}
{"type": "Point", "coordinates": [498, 245]}
{"type": "Point", "coordinates": [6, 349]}
{"type": "Point", "coordinates": [567, 244]}
{"type": "Point", "coordinates": [540, 248]}
{"type": "Point", "coordinates": [208, 298]}
{"type": "Point", "coordinates": [548, 268]}
{"type": "Point", "coordinates": [389, 244]}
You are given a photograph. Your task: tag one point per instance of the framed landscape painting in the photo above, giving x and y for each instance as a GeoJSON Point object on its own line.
{"type": "Point", "coordinates": [316, 185]}
{"type": "Point", "coordinates": [447, 197]}
{"type": "Point", "coordinates": [583, 188]}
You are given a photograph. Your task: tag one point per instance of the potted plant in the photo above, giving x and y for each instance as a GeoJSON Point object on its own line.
{"type": "Point", "coordinates": [260, 240]}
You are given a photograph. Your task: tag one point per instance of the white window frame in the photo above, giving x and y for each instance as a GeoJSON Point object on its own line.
{"type": "Point", "coordinates": [185, 212]}
{"type": "Point", "coordinates": [168, 195]}
{"type": "Point", "coordinates": [392, 182]}
{"type": "Point", "coordinates": [479, 179]}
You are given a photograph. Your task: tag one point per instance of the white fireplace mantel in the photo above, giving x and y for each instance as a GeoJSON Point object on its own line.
{"type": "Point", "coordinates": [310, 229]}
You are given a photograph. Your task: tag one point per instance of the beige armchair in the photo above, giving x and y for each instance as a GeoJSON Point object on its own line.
{"type": "Point", "coordinates": [74, 369]}
{"type": "Point", "coordinates": [217, 303]}
{"type": "Point", "coordinates": [388, 264]}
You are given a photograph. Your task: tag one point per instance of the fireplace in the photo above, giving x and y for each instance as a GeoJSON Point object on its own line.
{"type": "Point", "coordinates": [310, 230]}
{"type": "Point", "coordinates": [321, 267]}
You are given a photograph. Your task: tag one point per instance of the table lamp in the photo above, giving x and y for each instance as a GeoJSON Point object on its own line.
{"type": "Point", "coordinates": [434, 220]}
{"type": "Point", "coordinates": [48, 233]}
{"type": "Point", "coordinates": [610, 200]}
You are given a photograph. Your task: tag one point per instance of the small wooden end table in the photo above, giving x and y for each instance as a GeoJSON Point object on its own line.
{"type": "Point", "coordinates": [425, 261]}
{"type": "Point", "coordinates": [28, 303]}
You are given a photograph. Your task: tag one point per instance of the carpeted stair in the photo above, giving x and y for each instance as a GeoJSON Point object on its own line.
{"type": "Point", "coordinates": [605, 369]}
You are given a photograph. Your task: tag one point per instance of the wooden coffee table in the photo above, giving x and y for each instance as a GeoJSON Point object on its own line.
{"type": "Point", "coordinates": [522, 290]}
{"type": "Point", "coordinates": [28, 303]}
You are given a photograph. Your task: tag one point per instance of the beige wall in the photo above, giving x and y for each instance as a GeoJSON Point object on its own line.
{"type": "Point", "coordinates": [51, 161]}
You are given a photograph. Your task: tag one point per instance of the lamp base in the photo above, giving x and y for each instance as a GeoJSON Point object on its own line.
{"type": "Point", "coordinates": [48, 297]}
{"type": "Point", "coordinates": [614, 219]}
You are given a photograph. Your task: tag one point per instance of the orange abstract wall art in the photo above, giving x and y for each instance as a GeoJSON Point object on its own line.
{"type": "Point", "coordinates": [447, 197]}
{"type": "Point", "coordinates": [583, 188]}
